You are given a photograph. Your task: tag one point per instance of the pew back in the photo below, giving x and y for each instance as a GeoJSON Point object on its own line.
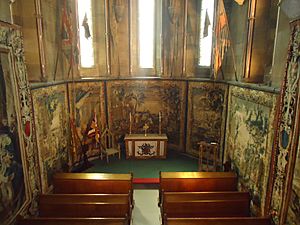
{"type": "Point", "coordinates": [206, 208]}
{"type": "Point", "coordinates": [92, 183]}
{"type": "Point", "coordinates": [69, 198]}
{"type": "Point", "coordinates": [72, 221]}
{"type": "Point", "coordinates": [198, 181]}
{"type": "Point", "coordinates": [193, 196]}
{"type": "Point", "coordinates": [219, 221]}
{"type": "Point", "coordinates": [84, 209]}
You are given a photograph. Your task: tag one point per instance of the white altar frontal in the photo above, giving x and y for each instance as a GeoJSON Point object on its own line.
{"type": "Point", "coordinates": [140, 146]}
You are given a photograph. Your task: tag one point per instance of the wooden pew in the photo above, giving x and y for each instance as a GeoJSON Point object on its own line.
{"type": "Point", "coordinates": [197, 182]}
{"type": "Point", "coordinates": [93, 183]}
{"type": "Point", "coordinates": [206, 208]}
{"type": "Point", "coordinates": [84, 209]}
{"type": "Point", "coordinates": [219, 221]}
{"type": "Point", "coordinates": [68, 198]}
{"type": "Point", "coordinates": [72, 221]}
{"type": "Point", "coordinates": [193, 196]}
{"type": "Point", "coordinates": [86, 198]}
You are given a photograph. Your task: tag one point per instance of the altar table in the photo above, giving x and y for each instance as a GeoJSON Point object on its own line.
{"type": "Point", "coordinates": [140, 146]}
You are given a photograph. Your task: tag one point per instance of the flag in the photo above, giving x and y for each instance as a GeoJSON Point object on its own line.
{"type": "Point", "coordinates": [93, 130]}
{"type": "Point", "coordinates": [222, 41]}
{"type": "Point", "coordinates": [67, 29]}
{"type": "Point", "coordinates": [86, 27]}
{"type": "Point", "coordinates": [66, 40]}
{"type": "Point", "coordinates": [206, 24]}
{"type": "Point", "coordinates": [69, 43]}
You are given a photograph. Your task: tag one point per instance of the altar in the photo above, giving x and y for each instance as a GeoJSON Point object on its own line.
{"type": "Point", "coordinates": [140, 146]}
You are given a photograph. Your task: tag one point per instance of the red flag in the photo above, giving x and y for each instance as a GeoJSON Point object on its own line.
{"type": "Point", "coordinates": [93, 129]}
{"type": "Point", "coordinates": [67, 30]}
{"type": "Point", "coordinates": [69, 40]}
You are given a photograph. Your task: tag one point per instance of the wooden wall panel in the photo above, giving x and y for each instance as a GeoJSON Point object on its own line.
{"type": "Point", "coordinates": [27, 20]}
{"type": "Point", "coordinates": [100, 38]}
{"type": "Point", "coordinates": [118, 34]}
{"type": "Point", "coordinates": [192, 30]}
{"type": "Point", "coordinates": [173, 37]}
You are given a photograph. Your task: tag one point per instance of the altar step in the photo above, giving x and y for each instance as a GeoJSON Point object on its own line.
{"type": "Point", "coordinates": [145, 183]}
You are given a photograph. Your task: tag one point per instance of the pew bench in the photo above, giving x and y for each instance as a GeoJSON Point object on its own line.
{"type": "Point", "coordinates": [93, 183]}
{"type": "Point", "coordinates": [197, 182]}
{"type": "Point", "coordinates": [72, 221]}
{"type": "Point", "coordinates": [219, 221]}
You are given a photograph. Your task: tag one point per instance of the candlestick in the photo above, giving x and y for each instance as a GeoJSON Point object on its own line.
{"type": "Point", "coordinates": [145, 128]}
{"type": "Point", "coordinates": [130, 124]}
{"type": "Point", "coordinates": [11, 11]}
{"type": "Point", "coordinates": [159, 123]}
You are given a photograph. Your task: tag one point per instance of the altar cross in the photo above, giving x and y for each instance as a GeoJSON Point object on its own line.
{"type": "Point", "coordinates": [145, 128]}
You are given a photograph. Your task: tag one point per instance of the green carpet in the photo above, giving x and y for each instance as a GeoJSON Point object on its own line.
{"type": "Point", "coordinates": [149, 168]}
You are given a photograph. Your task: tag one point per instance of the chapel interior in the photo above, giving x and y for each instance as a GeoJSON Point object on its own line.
{"type": "Point", "coordinates": [144, 88]}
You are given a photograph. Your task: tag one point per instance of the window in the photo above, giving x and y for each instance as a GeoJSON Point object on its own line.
{"type": "Point", "coordinates": [146, 26]}
{"type": "Point", "coordinates": [145, 32]}
{"type": "Point", "coordinates": [206, 28]}
{"type": "Point", "coordinates": [84, 8]}
{"type": "Point", "coordinates": [141, 37]}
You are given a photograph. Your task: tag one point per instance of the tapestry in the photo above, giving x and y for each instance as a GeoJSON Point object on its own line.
{"type": "Point", "coordinates": [19, 178]}
{"type": "Point", "coordinates": [52, 131]}
{"type": "Point", "coordinates": [87, 102]}
{"type": "Point", "coordinates": [206, 115]}
{"type": "Point", "coordinates": [286, 133]}
{"type": "Point", "coordinates": [293, 216]}
{"type": "Point", "coordinates": [144, 100]}
{"type": "Point", "coordinates": [248, 141]}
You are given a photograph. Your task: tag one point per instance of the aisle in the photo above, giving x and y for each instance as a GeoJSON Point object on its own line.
{"type": "Point", "coordinates": [146, 211]}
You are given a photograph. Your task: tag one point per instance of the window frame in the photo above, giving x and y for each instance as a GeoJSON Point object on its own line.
{"type": "Point", "coordinates": [86, 72]}
{"type": "Point", "coordinates": [205, 71]}
{"type": "Point", "coordinates": [135, 69]}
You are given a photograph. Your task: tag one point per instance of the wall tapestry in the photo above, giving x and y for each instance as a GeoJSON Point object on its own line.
{"type": "Point", "coordinates": [87, 102]}
{"type": "Point", "coordinates": [286, 133]}
{"type": "Point", "coordinates": [248, 141]}
{"type": "Point", "coordinates": [52, 131]}
{"type": "Point", "coordinates": [144, 100]}
{"type": "Point", "coordinates": [19, 178]}
{"type": "Point", "coordinates": [206, 114]}
{"type": "Point", "coordinates": [293, 216]}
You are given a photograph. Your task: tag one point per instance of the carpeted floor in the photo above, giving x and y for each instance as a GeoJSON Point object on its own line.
{"type": "Point", "coordinates": [145, 168]}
